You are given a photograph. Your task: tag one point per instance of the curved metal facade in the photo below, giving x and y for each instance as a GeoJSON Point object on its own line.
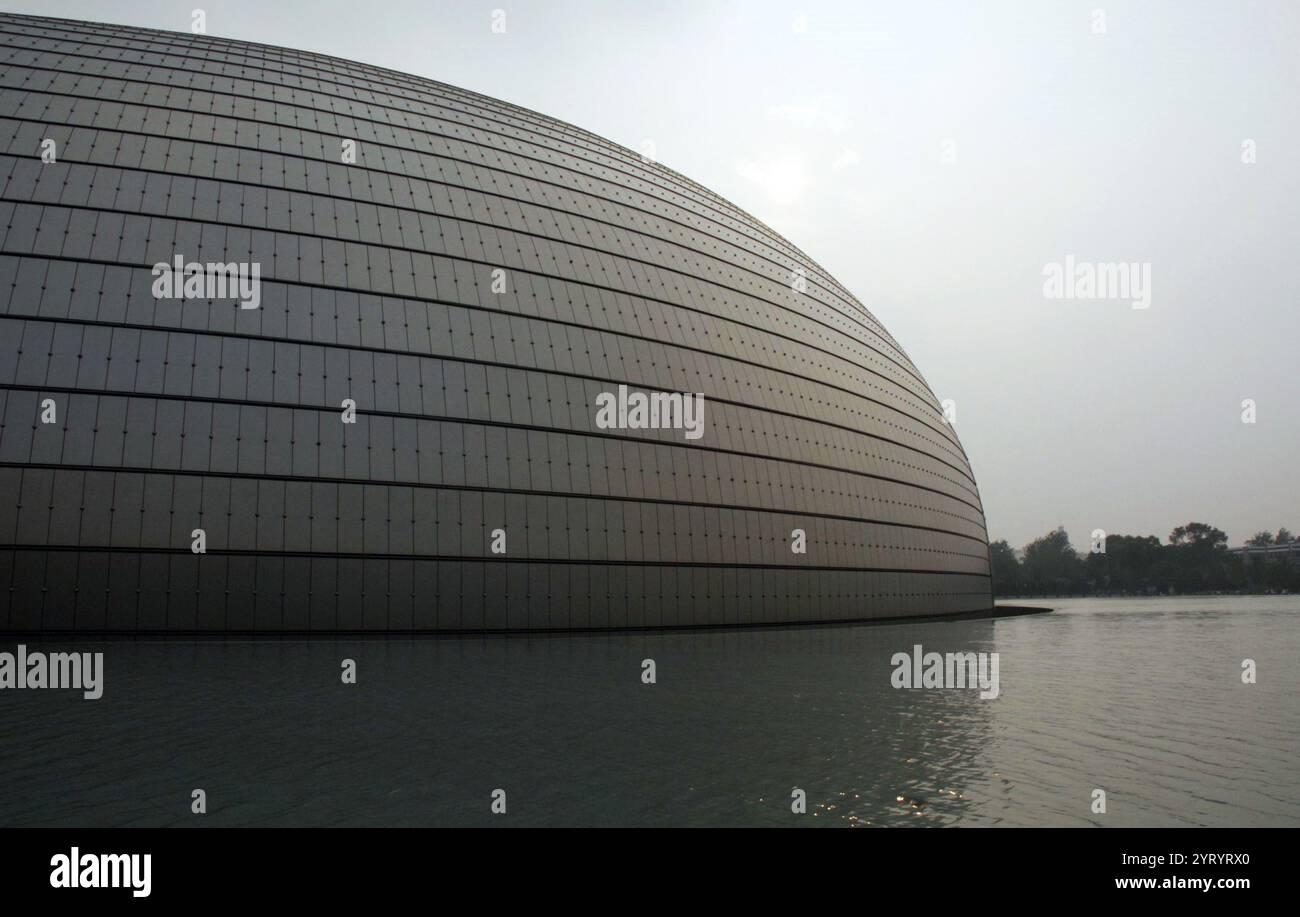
{"type": "Point", "coordinates": [474, 282]}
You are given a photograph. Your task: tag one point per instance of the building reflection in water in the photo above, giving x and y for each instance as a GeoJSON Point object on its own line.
{"type": "Point", "coordinates": [734, 722]}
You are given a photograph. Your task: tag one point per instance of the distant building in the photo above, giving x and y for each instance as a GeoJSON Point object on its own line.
{"type": "Point", "coordinates": [1289, 552]}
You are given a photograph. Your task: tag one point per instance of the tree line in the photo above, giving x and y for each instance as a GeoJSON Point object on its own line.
{"type": "Point", "coordinates": [1194, 559]}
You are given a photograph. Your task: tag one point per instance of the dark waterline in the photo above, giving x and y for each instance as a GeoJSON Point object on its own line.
{"type": "Point", "coordinates": [1140, 697]}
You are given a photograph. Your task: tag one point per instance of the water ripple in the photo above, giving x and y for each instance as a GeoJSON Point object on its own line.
{"type": "Point", "coordinates": [1139, 698]}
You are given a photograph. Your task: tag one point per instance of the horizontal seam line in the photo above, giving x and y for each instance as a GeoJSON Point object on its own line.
{"type": "Point", "coordinates": [973, 489]}
{"type": "Point", "coordinates": [211, 399]}
{"type": "Point", "coordinates": [470, 488]}
{"type": "Point", "coordinates": [855, 319]}
{"type": "Point", "coordinates": [496, 424]}
{"type": "Point", "coordinates": [914, 376]}
{"type": "Point", "coordinates": [753, 227]}
{"type": "Point", "coordinates": [243, 226]}
{"type": "Point", "coordinates": [473, 558]}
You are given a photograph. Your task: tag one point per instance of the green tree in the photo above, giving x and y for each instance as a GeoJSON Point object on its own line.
{"type": "Point", "coordinates": [1201, 562]}
{"type": "Point", "coordinates": [1260, 539]}
{"type": "Point", "coordinates": [1198, 534]}
{"type": "Point", "coordinates": [1196, 559]}
{"type": "Point", "coordinates": [1128, 565]}
{"type": "Point", "coordinates": [1051, 565]}
{"type": "Point", "coordinates": [1005, 567]}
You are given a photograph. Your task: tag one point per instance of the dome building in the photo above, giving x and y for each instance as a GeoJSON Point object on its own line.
{"type": "Point", "coordinates": [290, 343]}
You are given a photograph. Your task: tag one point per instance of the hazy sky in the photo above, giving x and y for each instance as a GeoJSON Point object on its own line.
{"type": "Point", "coordinates": [934, 157]}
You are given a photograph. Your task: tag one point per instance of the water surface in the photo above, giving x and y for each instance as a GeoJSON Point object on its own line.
{"type": "Point", "coordinates": [1140, 697]}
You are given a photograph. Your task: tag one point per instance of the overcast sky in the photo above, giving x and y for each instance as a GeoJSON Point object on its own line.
{"type": "Point", "coordinates": [935, 157]}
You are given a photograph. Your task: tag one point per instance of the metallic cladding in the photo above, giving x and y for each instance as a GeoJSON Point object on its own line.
{"type": "Point", "coordinates": [474, 282]}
